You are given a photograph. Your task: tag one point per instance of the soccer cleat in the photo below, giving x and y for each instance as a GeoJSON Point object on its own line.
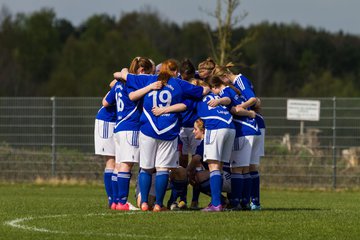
{"type": "Point", "coordinates": [158, 208]}
{"type": "Point", "coordinates": [132, 207]}
{"type": "Point", "coordinates": [212, 208]}
{"type": "Point", "coordinates": [144, 206]}
{"type": "Point", "coordinates": [245, 207]}
{"type": "Point", "coordinates": [194, 206]}
{"type": "Point", "coordinates": [173, 206]}
{"type": "Point", "coordinates": [182, 205]}
{"type": "Point", "coordinates": [236, 208]}
{"type": "Point", "coordinates": [126, 207]}
{"type": "Point", "coordinates": [255, 207]}
{"type": "Point", "coordinates": [122, 207]}
{"type": "Point", "coordinates": [113, 206]}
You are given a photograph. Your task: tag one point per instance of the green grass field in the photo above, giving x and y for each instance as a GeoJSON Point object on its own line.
{"type": "Point", "coordinates": [79, 212]}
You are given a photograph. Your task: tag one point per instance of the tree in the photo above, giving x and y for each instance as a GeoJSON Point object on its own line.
{"type": "Point", "coordinates": [226, 21]}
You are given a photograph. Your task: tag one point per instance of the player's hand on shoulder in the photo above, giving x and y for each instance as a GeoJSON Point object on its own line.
{"type": "Point", "coordinates": [206, 90]}
{"type": "Point", "coordinates": [112, 83]}
{"type": "Point", "coordinates": [155, 85]}
{"type": "Point", "coordinates": [122, 74]}
{"type": "Point", "coordinates": [252, 114]}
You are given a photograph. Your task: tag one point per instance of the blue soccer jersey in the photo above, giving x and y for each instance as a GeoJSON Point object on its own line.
{"type": "Point", "coordinates": [189, 116]}
{"type": "Point", "coordinates": [107, 114]}
{"type": "Point", "coordinates": [214, 117]}
{"type": "Point", "coordinates": [127, 112]}
{"type": "Point", "coordinates": [244, 126]}
{"type": "Point", "coordinates": [245, 86]}
{"type": "Point", "coordinates": [247, 91]}
{"type": "Point", "coordinates": [167, 126]}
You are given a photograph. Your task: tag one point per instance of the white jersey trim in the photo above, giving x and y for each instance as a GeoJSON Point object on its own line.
{"type": "Point", "coordinates": [247, 124]}
{"type": "Point", "coordinates": [219, 118]}
{"type": "Point", "coordinates": [159, 132]}
{"type": "Point", "coordinates": [128, 116]}
{"type": "Point", "coordinates": [239, 81]}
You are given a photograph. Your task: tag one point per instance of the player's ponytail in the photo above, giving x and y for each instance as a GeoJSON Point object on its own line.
{"type": "Point", "coordinates": [229, 65]}
{"type": "Point", "coordinates": [168, 69]}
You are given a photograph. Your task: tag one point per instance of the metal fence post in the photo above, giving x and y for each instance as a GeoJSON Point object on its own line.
{"type": "Point", "coordinates": [334, 142]}
{"type": "Point", "coordinates": [53, 138]}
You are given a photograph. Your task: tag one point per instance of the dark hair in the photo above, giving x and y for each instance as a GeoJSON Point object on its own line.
{"type": "Point", "coordinates": [187, 69]}
{"type": "Point", "coordinates": [216, 81]}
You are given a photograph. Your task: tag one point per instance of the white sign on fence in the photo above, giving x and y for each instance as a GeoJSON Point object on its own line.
{"type": "Point", "coordinates": [303, 110]}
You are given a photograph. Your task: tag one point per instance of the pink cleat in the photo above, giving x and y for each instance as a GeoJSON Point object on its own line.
{"type": "Point", "coordinates": [126, 207]}
{"type": "Point", "coordinates": [122, 207]}
{"type": "Point", "coordinates": [158, 208]}
{"type": "Point", "coordinates": [113, 206]}
{"type": "Point", "coordinates": [144, 206]}
{"type": "Point", "coordinates": [212, 208]}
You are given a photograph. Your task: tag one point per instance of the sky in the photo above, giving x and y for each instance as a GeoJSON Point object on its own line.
{"type": "Point", "coordinates": [329, 15]}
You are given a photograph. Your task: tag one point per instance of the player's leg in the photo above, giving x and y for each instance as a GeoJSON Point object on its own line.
{"type": "Point", "coordinates": [258, 151]}
{"type": "Point", "coordinates": [127, 154]}
{"type": "Point", "coordinates": [147, 165]}
{"type": "Point", "coordinates": [108, 172]}
{"type": "Point", "coordinates": [105, 146]}
{"type": "Point", "coordinates": [179, 183]}
{"type": "Point", "coordinates": [240, 176]}
{"type": "Point", "coordinates": [213, 150]}
{"type": "Point", "coordinates": [167, 157]}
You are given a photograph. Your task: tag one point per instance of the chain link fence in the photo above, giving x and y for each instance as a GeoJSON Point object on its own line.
{"type": "Point", "coordinates": [53, 138]}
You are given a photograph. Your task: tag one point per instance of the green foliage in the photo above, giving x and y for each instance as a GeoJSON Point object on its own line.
{"type": "Point", "coordinates": [41, 55]}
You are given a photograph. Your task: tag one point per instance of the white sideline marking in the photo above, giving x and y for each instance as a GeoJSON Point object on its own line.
{"type": "Point", "coordinates": [20, 224]}
{"type": "Point", "coordinates": [17, 223]}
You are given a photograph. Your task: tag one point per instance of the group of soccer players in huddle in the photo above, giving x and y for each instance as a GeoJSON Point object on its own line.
{"type": "Point", "coordinates": [181, 126]}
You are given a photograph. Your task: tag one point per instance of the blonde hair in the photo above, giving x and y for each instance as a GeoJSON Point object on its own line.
{"type": "Point", "coordinates": [220, 71]}
{"type": "Point", "coordinates": [208, 64]}
{"type": "Point", "coordinates": [198, 82]}
{"type": "Point", "coordinates": [200, 124]}
{"type": "Point", "coordinates": [139, 62]}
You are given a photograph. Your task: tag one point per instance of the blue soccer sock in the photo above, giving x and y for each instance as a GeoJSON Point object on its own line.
{"type": "Point", "coordinates": [255, 187]}
{"type": "Point", "coordinates": [123, 179]}
{"type": "Point", "coordinates": [237, 186]}
{"type": "Point", "coordinates": [115, 188]}
{"type": "Point", "coordinates": [145, 179]}
{"type": "Point", "coordinates": [245, 200]}
{"type": "Point", "coordinates": [161, 182]}
{"type": "Point", "coordinates": [215, 185]}
{"type": "Point", "coordinates": [108, 184]}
